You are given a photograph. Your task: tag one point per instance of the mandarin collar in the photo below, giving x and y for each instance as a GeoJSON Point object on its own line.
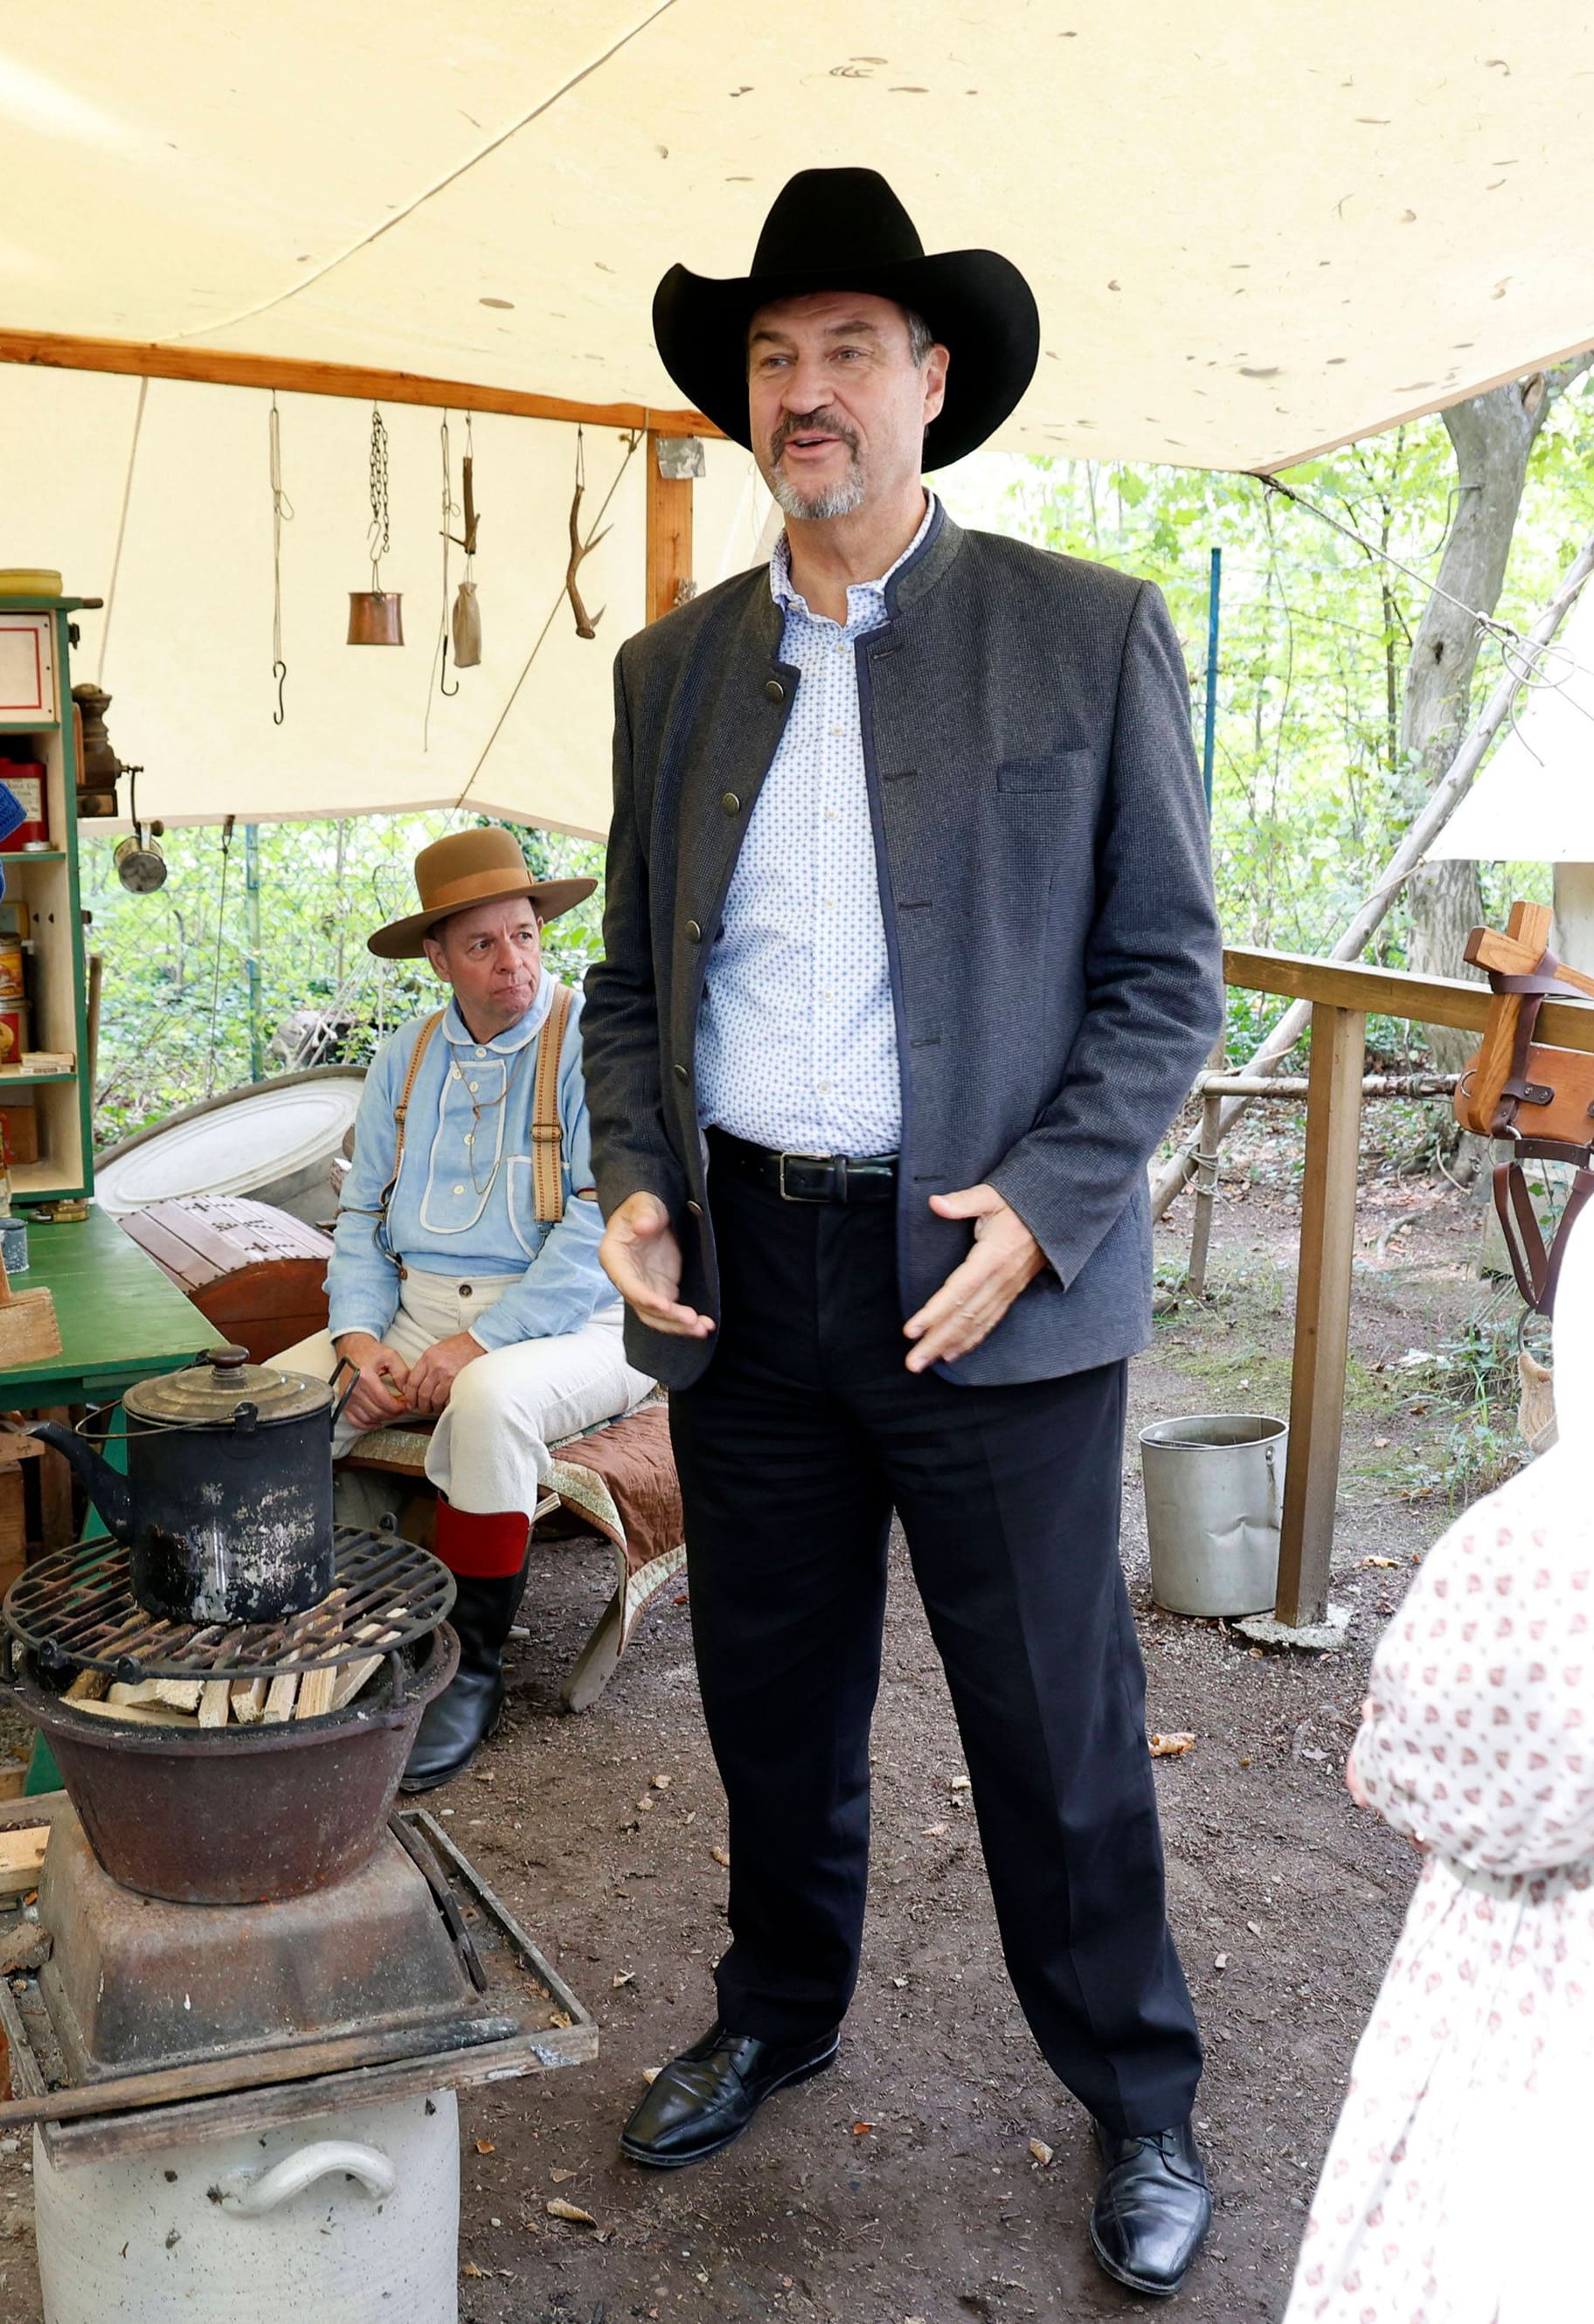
{"type": "Point", "coordinates": [780, 569]}
{"type": "Point", "coordinates": [514, 1036]}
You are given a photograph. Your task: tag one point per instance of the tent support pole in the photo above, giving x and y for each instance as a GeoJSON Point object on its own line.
{"type": "Point", "coordinates": [217, 367]}
{"type": "Point", "coordinates": [669, 534]}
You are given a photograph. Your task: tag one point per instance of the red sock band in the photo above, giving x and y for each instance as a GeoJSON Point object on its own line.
{"type": "Point", "coordinates": [489, 1548]}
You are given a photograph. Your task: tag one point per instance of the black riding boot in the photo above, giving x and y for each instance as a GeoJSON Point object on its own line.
{"type": "Point", "coordinates": [469, 1708]}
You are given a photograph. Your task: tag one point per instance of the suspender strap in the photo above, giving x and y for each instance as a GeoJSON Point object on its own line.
{"type": "Point", "coordinates": [547, 1132]}
{"type": "Point", "coordinates": [384, 1198]}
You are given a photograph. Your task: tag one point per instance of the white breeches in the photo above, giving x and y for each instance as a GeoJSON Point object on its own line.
{"type": "Point", "coordinates": [489, 1449]}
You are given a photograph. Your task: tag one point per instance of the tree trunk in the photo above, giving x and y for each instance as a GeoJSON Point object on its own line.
{"type": "Point", "coordinates": [1493, 436]}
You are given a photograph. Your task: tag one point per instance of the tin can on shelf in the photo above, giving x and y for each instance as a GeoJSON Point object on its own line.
{"type": "Point", "coordinates": [25, 780]}
{"type": "Point", "coordinates": [13, 970]}
{"type": "Point", "coordinates": [15, 1035]}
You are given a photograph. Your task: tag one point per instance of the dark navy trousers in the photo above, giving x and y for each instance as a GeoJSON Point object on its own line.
{"type": "Point", "coordinates": [794, 1448]}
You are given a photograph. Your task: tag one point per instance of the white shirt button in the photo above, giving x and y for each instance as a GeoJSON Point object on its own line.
{"type": "Point", "coordinates": [474, 1087]}
{"type": "Point", "coordinates": [481, 1053]}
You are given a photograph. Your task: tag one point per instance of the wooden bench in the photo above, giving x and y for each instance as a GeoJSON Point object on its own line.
{"type": "Point", "coordinates": [586, 1469]}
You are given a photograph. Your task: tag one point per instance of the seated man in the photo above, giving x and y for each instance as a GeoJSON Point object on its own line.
{"type": "Point", "coordinates": [465, 1280]}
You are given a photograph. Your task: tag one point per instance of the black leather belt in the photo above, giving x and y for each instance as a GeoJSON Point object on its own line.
{"type": "Point", "coordinates": [808, 1177]}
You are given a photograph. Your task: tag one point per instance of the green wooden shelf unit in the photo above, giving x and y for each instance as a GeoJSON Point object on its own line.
{"type": "Point", "coordinates": [36, 714]}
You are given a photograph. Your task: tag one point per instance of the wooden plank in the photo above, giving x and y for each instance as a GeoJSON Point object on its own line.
{"type": "Point", "coordinates": [209, 2077]}
{"type": "Point", "coordinates": [172, 1252]}
{"type": "Point", "coordinates": [669, 550]}
{"type": "Point", "coordinates": [20, 1854]}
{"type": "Point", "coordinates": [1323, 1312]}
{"type": "Point", "coordinates": [57, 1488]}
{"type": "Point", "coordinates": [245, 2113]}
{"type": "Point", "coordinates": [1390, 992]}
{"type": "Point", "coordinates": [214, 366]}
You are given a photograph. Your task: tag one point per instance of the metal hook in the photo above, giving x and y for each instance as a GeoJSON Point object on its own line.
{"type": "Point", "coordinates": [279, 670]}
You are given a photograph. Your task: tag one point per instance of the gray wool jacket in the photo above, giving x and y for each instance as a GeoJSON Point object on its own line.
{"type": "Point", "coordinates": [1056, 967]}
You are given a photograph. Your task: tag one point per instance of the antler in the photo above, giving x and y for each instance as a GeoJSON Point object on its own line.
{"type": "Point", "coordinates": [586, 623]}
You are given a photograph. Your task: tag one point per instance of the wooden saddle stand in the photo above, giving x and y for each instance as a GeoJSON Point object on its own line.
{"type": "Point", "coordinates": [1539, 1100]}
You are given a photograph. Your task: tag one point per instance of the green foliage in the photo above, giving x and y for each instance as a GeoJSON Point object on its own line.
{"type": "Point", "coordinates": [1311, 794]}
{"type": "Point", "coordinates": [181, 1015]}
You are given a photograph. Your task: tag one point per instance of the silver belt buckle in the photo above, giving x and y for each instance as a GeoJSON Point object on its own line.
{"type": "Point", "coordinates": [801, 1157]}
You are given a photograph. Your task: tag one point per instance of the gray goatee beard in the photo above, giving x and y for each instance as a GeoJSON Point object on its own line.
{"type": "Point", "coordinates": [839, 499]}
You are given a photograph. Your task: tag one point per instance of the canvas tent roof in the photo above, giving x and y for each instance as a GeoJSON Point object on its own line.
{"type": "Point", "coordinates": [1251, 234]}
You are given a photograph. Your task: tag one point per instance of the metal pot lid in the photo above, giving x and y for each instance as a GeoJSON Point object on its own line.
{"type": "Point", "coordinates": [208, 1394]}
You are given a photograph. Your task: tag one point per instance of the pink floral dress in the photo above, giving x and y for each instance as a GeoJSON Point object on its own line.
{"type": "Point", "coordinates": [1453, 2189]}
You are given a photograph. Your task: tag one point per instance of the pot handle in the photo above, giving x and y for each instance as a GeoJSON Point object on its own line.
{"type": "Point", "coordinates": [251, 2194]}
{"type": "Point", "coordinates": [339, 1401]}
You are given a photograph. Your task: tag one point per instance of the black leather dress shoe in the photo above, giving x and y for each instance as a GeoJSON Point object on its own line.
{"type": "Point", "coordinates": [1153, 2208]}
{"type": "Point", "coordinates": [705, 2098]}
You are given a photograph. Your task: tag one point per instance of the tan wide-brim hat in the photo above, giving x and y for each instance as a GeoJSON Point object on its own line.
{"type": "Point", "coordinates": [466, 869]}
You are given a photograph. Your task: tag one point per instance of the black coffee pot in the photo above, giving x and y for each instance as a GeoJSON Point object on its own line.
{"type": "Point", "coordinates": [227, 1505]}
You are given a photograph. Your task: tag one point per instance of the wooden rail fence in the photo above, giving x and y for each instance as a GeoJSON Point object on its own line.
{"type": "Point", "coordinates": [1343, 995]}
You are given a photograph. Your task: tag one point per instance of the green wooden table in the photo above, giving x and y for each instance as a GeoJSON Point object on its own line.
{"type": "Point", "coordinates": [121, 1319]}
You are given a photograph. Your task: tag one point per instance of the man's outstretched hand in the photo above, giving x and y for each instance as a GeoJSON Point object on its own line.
{"type": "Point", "coordinates": [640, 1255]}
{"type": "Point", "coordinates": [976, 1295]}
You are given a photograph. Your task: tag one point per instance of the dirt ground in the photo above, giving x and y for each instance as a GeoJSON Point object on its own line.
{"type": "Point", "coordinates": [901, 2185]}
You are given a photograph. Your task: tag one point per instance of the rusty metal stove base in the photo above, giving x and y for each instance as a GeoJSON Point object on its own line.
{"type": "Point", "coordinates": [526, 2021]}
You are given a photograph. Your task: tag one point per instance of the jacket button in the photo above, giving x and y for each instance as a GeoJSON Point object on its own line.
{"type": "Point", "coordinates": [774, 690]}
{"type": "Point", "coordinates": [680, 1074]}
{"type": "Point", "coordinates": [694, 933]}
{"type": "Point", "coordinates": [730, 803]}
{"type": "Point", "coordinates": [694, 1210]}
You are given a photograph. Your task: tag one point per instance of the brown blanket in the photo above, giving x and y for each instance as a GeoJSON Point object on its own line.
{"type": "Point", "coordinates": [632, 1463]}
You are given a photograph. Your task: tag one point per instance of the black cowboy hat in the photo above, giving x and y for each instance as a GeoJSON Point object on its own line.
{"type": "Point", "coordinates": [846, 230]}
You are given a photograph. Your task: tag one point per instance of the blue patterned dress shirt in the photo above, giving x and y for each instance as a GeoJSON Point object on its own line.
{"type": "Point", "coordinates": [797, 1036]}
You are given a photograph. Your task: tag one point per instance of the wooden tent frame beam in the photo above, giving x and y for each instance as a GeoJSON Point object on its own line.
{"type": "Point", "coordinates": [289, 375]}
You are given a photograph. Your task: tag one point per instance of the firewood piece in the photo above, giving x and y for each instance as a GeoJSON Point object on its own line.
{"type": "Point", "coordinates": [315, 1693]}
{"type": "Point", "coordinates": [215, 1702]}
{"type": "Point", "coordinates": [140, 1714]}
{"type": "Point", "coordinates": [352, 1676]}
{"type": "Point", "coordinates": [89, 1686]}
{"type": "Point", "coordinates": [280, 1697]}
{"type": "Point", "coordinates": [20, 1854]}
{"type": "Point", "coordinates": [248, 1699]}
{"type": "Point", "coordinates": [173, 1693]}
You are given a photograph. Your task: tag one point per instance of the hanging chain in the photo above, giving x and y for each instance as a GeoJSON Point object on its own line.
{"type": "Point", "coordinates": [282, 514]}
{"type": "Point", "coordinates": [469, 470]}
{"type": "Point", "coordinates": [378, 532]}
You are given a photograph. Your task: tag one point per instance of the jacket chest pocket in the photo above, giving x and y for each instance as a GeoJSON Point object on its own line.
{"type": "Point", "coordinates": [1059, 771]}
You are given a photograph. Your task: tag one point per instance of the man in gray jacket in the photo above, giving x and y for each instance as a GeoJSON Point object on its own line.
{"type": "Point", "coordinates": [910, 955]}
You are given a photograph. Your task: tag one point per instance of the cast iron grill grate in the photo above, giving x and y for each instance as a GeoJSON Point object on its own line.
{"type": "Point", "coordinates": [75, 1611]}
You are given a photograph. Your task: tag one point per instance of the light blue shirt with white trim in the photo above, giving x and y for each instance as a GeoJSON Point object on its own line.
{"type": "Point", "coordinates": [464, 1206]}
{"type": "Point", "coordinates": [797, 1035]}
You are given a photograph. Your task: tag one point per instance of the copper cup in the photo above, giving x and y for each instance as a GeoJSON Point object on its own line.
{"type": "Point", "coordinates": [376, 617]}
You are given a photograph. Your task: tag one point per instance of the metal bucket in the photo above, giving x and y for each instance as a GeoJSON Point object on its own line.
{"type": "Point", "coordinates": [1214, 1497]}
